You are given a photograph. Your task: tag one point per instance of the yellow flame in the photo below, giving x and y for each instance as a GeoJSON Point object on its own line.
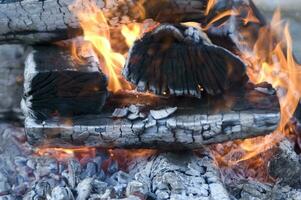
{"type": "Point", "coordinates": [272, 61]}
{"type": "Point", "coordinates": [209, 7]}
{"type": "Point", "coordinates": [130, 33]}
{"type": "Point", "coordinates": [96, 30]}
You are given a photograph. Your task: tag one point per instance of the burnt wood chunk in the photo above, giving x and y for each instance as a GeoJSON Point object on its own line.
{"type": "Point", "coordinates": [57, 85]}
{"type": "Point", "coordinates": [177, 123]}
{"type": "Point", "coordinates": [182, 61]}
{"type": "Point", "coordinates": [180, 175]}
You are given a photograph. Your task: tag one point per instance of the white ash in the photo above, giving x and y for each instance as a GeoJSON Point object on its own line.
{"type": "Point", "coordinates": [26, 176]}
{"type": "Point", "coordinates": [133, 112]}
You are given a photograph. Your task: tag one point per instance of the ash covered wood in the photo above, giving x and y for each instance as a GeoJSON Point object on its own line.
{"type": "Point", "coordinates": [181, 175]}
{"type": "Point", "coordinates": [285, 165]}
{"type": "Point", "coordinates": [181, 60]}
{"type": "Point", "coordinates": [56, 84]}
{"type": "Point", "coordinates": [35, 21]}
{"type": "Point", "coordinates": [237, 115]}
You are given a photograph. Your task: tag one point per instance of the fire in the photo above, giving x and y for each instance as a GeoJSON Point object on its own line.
{"type": "Point", "coordinates": [131, 33]}
{"type": "Point", "coordinates": [210, 5]}
{"type": "Point", "coordinates": [63, 154]}
{"type": "Point", "coordinates": [96, 30]}
{"type": "Point", "coordinates": [271, 60]}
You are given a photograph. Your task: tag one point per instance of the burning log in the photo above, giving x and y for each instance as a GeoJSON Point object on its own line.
{"type": "Point", "coordinates": [181, 175]}
{"type": "Point", "coordinates": [237, 115]}
{"type": "Point", "coordinates": [181, 60]}
{"type": "Point", "coordinates": [56, 84]}
{"type": "Point", "coordinates": [43, 21]}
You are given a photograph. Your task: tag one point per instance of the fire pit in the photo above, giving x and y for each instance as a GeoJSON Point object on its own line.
{"type": "Point", "coordinates": [176, 99]}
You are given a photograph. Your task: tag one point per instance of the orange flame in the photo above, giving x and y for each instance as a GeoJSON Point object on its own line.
{"type": "Point", "coordinates": [63, 154]}
{"type": "Point", "coordinates": [272, 61]}
{"type": "Point", "coordinates": [209, 7]}
{"type": "Point", "coordinates": [96, 30]}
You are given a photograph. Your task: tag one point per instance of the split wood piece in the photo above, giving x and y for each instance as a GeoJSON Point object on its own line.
{"type": "Point", "coordinates": [285, 165]}
{"type": "Point", "coordinates": [193, 125]}
{"type": "Point", "coordinates": [11, 80]}
{"type": "Point", "coordinates": [55, 84]}
{"type": "Point", "coordinates": [181, 175]}
{"type": "Point", "coordinates": [182, 61]}
{"type": "Point", "coordinates": [35, 21]}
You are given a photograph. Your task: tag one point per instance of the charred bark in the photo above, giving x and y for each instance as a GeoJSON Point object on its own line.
{"type": "Point", "coordinates": [47, 21]}
{"type": "Point", "coordinates": [182, 61]}
{"type": "Point", "coordinates": [234, 116]}
{"type": "Point", "coordinates": [181, 175]}
{"type": "Point", "coordinates": [42, 21]}
{"type": "Point", "coordinates": [57, 85]}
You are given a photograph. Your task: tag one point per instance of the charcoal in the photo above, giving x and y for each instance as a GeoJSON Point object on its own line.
{"type": "Point", "coordinates": [182, 61]}
{"type": "Point", "coordinates": [61, 193]}
{"type": "Point", "coordinates": [163, 113]}
{"type": "Point", "coordinates": [113, 167]}
{"type": "Point", "coordinates": [74, 170]}
{"type": "Point", "coordinates": [90, 171]}
{"type": "Point", "coordinates": [57, 85]}
{"type": "Point", "coordinates": [84, 189]}
{"type": "Point", "coordinates": [99, 186]}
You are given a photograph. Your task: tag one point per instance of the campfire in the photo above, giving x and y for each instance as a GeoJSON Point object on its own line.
{"type": "Point", "coordinates": [166, 99]}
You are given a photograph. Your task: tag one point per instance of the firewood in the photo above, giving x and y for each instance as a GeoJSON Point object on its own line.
{"type": "Point", "coordinates": [196, 122]}
{"type": "Point", "coordinates": [35, 21]}
{"type": "Point", "coordinates": [11, 81]}
{"type": "Point", "coordinates": [181, 175]}
{"type": "Point", "coordinates": [57, 85]}
{"type": "Point", "coordinates": [180, 60]}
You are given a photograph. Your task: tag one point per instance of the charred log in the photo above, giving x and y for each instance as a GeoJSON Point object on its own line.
{"type": "Point", "coordinates": [57, 85]}
{"type": "Point", "coordinates": [213, 120]}
{"type": "Point", "coordinates": [42, 21]}
{"type": "Point", "coordinates": [182, 61]}
{"type": "Point", "coordinates": [181, 175]}
{"type": "Point", "coordinates": [11, 80]}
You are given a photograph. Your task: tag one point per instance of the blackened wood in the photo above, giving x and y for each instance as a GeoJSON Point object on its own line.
{"type": "Point", "coordinates": [34, 21]}
{"type": "Point", "coordinates": [181, 175]}
{"type": "Point", "coordinates": [181, 60]}
{"type": "Point", "coordinates": [196, 123]}
{"type": "Point", "coordinates": [56, 84]}
{"type": "Point", "coordinates": [11, 80]}
{"type": "Point", "coordinates": [239, 31]}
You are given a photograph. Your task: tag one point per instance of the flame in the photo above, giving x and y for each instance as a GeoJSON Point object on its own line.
{"type": "Point", "coordinates": [209, 7]}
{"type": "Point", "coordinates": [131, 32]}
{"type": "Point", "coordinates": [63, 154]}
{"type": "Point", "coordinates": [219, 17]}
{"type": "Point", "coordinates": [96, 31]}
{"type": "Point", "coordinates": [271, 60]}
